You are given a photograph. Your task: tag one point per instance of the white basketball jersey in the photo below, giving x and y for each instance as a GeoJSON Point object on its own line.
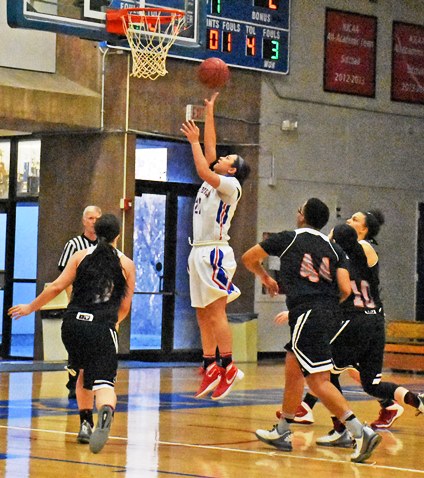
{"type": "Point", "coordinates": [214, 209]}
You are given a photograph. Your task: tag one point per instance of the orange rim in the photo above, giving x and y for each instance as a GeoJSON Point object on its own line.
{"type": "Point", "coordinates": [166, 15]}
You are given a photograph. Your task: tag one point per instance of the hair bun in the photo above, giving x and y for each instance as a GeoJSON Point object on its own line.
{"type": "Point", "coordinates": [378, 215]}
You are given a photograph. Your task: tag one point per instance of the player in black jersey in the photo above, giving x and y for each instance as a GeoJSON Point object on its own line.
{"type": "Point", "coordinates": [103, 280]}
{"type": "Point", "coordinates": [314, 278]}
{"type": "Point", "coordinates": [367, 225]}
{"type": "Point", "coordinates": [360, 341]}
{"type": "Point", "coordinates": [84, 241]}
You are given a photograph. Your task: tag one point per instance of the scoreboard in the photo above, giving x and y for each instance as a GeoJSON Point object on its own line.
{"type": "Point", "coordinates": [250, 34]}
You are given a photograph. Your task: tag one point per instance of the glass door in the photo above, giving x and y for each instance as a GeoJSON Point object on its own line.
{"type": "Point", "coordinates": [19, 190]}
{"type": "Point", "coordinates": [24, 277]}
{"type": "Point", "coordinates": [149, 257]}
{"type": "Point", "coordinates": [163, 323]}
{"type": "Point", "coordinates": [3, 221]}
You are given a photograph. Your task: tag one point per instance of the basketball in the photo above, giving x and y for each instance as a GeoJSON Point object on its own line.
{"type": "Point", "coordinates": [213, 72]}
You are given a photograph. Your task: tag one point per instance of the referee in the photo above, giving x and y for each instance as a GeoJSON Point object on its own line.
{"type": "Point", "coordinates": [87, 239]}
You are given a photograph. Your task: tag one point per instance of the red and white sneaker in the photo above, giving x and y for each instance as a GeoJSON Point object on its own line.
{"type": "Point", "coordinates": [304, 415]}
{"type": "Point", "coordinates": [230, 376]}
{"type": "Point", "coordinates": [387, 416]}
{"type": "Point", "coordinates": [211, 377]}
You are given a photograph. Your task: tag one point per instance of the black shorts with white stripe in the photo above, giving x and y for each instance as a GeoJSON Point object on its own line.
{"type": "Point", "coordinates": [311, 329]}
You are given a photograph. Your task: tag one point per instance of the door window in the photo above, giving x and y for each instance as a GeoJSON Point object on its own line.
{"type": "Point", "coordinates": [3, 218]}
{"type": "Point", "coordinates": [4, 169]}
{"type": "Point", "coordinates": [25, 273]}
{"type": "Point", "coordinates": [149, 249]}
{"type": "Point", "coordinates": [186, 331]}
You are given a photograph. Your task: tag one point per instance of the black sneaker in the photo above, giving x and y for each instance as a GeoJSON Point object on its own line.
{"type": "Point", "coordinates": [84, 432]}
{"type": "Point", "coordinates": [100, 434]}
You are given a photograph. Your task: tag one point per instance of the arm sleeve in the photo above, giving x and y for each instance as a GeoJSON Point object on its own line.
{"type": "Point", "coordinates": [229, 189]}
{"type": "Point", "coordinates": [277, 243]}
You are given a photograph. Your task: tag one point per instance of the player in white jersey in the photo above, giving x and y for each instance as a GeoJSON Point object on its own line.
{"type": "Point", "coordinates": [211, 262]}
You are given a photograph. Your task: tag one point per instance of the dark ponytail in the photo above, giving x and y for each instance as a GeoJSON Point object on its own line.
{"type": "Point", "coordinates": [100, 277]}
{"type": "Point", "coordinates": [243, 169]}
{"type": "Point", "coordinates": [374, 219]}
{"type": "Point", "coordinates": [347, 238]}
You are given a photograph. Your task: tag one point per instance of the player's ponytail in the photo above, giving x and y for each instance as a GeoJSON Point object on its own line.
{"type": "Point", "coordinates": [243, 169]}
{"type": "Point", "coordinates": [347, 238]}
{"type": "Point", "coordinates": [374, 219]}
{"type": "Point", "coordinates": [100, 277]}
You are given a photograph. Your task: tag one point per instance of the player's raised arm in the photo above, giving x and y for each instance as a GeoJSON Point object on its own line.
{"type": "Point", "coordinates": [191, 131]}
{"type": "Point", "coordinates": [210, 132]}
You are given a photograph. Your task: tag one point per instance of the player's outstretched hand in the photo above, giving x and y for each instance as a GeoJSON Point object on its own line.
{"type": "Point", "coordinates": [210, 103]}
{"type": "Point", "coordinates": [191, 131]}
{"type": "Point", "coordinates": [282, 318]}
{"type": "Point", "coordinates": [18, 311]}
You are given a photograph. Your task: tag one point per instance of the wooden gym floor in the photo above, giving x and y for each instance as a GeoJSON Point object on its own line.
{"type": "Point", "coordinates": [161, 431]}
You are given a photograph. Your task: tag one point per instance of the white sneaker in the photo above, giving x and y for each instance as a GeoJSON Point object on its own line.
{"type": "Point", "coordinates": [274, 438]}
{"type": "Point", "coordinates": [100, 434]}
{"type": "Point", "coordinates": [365, 444]}
{"type": "Point", "coordinates": [335, 438]}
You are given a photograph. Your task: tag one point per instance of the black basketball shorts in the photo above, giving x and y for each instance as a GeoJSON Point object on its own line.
{"type": "Point", "coordinates": [311, 331]}
{"type": "Point", "coordinates": [360, 344]}
{"type": "Point", "coordinates": [93, 347]}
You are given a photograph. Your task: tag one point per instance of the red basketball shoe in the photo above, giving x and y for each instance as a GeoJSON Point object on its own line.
{"type": "Point", "coordinates": [304, 415]}
{"type": "Point", "coordinates": [387, 416]}
{"type": "Point", "coordinates": [211, 377]}
{"type": "Point", "coordinates": [230, 376]}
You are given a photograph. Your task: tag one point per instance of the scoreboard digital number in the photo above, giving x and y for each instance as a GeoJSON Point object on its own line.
{"type": "Point", "coordinates": [250, 34]}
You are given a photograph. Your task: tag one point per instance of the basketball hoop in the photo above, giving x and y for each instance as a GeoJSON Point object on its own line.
{"type": "Point", "coordinates": [150, 33]}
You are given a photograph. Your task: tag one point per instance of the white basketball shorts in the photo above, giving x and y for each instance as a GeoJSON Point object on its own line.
{"type": "Point", "coordinates": [211, 269]}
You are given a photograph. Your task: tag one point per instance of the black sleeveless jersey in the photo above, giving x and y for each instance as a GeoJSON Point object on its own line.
{"type": "Point", "coordinates": [92, 289]}
{"type": "Point", "coordinates": [308, 265]}
{"type": "Point", "coordinates": [365, 283]}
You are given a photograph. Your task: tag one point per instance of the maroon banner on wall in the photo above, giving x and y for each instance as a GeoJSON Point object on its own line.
{"type": "Point", "coordinates": [350, 52]}
{"type": "Point", "coordinates": [408, 63]}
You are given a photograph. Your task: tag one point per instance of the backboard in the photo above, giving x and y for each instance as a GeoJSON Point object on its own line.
{"type": "Point", "coordinates": [249, 34]}
{"type": "Point", "coordinates": [87, 18]}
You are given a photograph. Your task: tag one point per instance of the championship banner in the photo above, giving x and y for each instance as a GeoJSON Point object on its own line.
{"type": "Point", "coordinates": [408, 63]}
{"type": "Point", "coordinates": [350, 53]}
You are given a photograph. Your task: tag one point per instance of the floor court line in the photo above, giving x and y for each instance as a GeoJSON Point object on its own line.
{"type": "Point", "coordinates": [273, 454]}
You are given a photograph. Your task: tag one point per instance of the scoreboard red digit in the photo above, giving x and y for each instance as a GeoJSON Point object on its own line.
{"type": "Point", "coordinates": [250, 34]}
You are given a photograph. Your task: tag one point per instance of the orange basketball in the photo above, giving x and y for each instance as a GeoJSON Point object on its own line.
{"type": "Point", "coordinates": [213, 72]}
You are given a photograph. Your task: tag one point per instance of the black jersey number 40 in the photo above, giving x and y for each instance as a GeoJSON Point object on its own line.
{"type": "Point", "coordinates": [308, 271]}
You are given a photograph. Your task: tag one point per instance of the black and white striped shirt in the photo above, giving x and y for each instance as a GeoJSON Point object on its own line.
{"type": "Point", "coordinates": [75, 244]}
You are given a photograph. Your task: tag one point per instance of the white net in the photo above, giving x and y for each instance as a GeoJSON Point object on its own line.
{"type": "Point", "coordinates": [150, 34]}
